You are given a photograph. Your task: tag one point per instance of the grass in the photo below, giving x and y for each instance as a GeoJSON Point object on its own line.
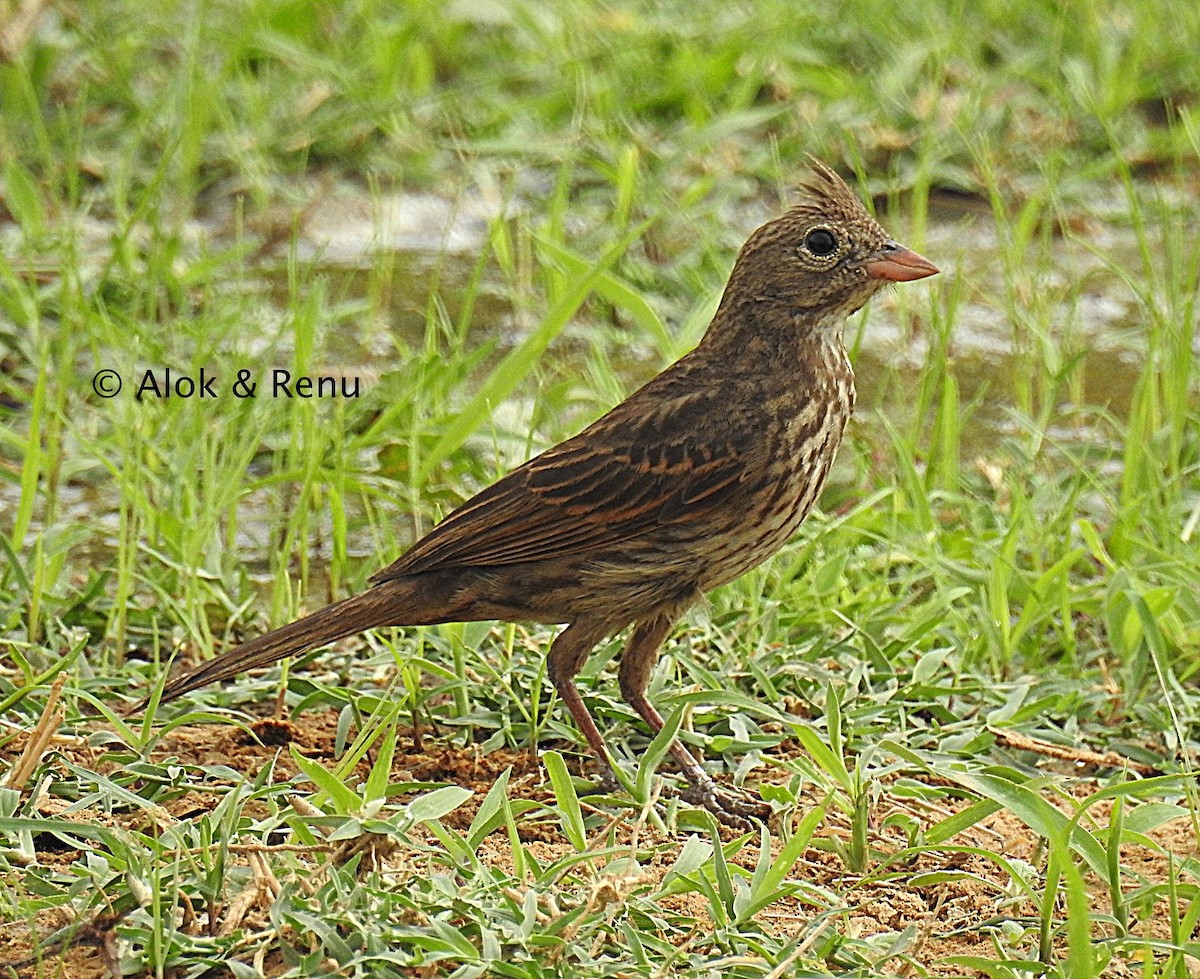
{"type": "Point", "coordinates": [1005, 564]}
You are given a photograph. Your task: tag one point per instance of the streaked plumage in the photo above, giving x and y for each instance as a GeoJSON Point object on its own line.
{"type": "Point", "coordinates": [697, 477]}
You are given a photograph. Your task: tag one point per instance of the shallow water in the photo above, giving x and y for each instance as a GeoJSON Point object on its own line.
{"type": "Point", "coordinates": [1080, 307]}
{"type": "Point", "coordinates": [1077, 304]}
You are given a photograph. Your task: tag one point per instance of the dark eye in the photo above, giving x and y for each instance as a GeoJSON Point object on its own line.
{"type": "Point", "coordinates": [820, 242]}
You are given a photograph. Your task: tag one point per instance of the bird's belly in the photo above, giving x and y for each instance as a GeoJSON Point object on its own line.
{"type": "Point", "coordinates": [774, 512]}
{"type": "Point", "coordinates": [764, 534]}
{"type": "Point", "coordinates": [687, 556]}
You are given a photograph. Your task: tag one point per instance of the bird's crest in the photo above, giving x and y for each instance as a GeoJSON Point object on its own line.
{"type": "Point", "coordinates": [825, 195]}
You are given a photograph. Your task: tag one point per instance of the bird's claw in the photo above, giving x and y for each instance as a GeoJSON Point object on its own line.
{"type": "Point", "coordinates": [735, 809]}
{"type": "Point", "coordinates": [607, 783]}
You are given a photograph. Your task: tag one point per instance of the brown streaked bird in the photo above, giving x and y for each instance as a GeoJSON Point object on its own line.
{"type": "Point", "coordinates": [698, 477]}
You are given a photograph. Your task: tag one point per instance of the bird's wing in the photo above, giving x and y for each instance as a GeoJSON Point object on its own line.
{"type": "Point", "coordinates": [626, 475]}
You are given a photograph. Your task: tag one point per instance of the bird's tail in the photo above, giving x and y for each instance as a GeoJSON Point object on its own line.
{"type": "Point", "coordinates": [333, 622]}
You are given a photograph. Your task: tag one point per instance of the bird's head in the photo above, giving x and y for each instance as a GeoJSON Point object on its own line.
{"type": "Point", "coordinates": [823, 259]}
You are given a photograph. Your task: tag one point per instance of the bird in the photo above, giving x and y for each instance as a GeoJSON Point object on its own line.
{"type": "Point", "coordinates": [700, 475]}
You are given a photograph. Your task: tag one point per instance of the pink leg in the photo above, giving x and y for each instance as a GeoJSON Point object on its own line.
{"type": "Point", "coordinates": [637, 662]}
{"type": "Point", "coordinates": [567, 655]}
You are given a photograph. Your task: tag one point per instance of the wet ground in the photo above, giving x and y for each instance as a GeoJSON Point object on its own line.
{"type": "Point", "coordinates": [1073, 304]}
{"type": "Point", "coordinates": [1075, 299]}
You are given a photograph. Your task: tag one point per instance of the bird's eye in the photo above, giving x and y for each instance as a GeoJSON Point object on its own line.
{"type": "Point", "coordinates": [820, 242]}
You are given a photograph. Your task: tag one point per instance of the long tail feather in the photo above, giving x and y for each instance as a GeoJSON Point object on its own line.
{"type": "Point", "coordinates": [333, 622]}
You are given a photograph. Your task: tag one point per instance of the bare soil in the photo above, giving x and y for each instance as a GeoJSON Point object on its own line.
{"type": "Point", "coordinates": [961, 916]}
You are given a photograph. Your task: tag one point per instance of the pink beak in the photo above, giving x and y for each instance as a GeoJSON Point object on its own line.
{"type": "Point", "coordinates": [895, 263]}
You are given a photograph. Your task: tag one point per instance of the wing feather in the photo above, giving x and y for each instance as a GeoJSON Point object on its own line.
{"type": "Point", "coordinates": [622, 478]}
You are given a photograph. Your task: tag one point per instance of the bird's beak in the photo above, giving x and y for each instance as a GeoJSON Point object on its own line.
{"type": "Point", "coordinates": [895, 263]}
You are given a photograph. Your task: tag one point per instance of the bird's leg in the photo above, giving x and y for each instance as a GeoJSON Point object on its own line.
{"type": "Point", "coordinates": [734, 809]}
{"type": "Point", "coordinates": [637, 662]}
{"type": "Point", "coordinates": [568, 653]}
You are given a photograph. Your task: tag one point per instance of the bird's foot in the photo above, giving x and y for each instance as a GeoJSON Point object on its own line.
{"type": "Point", "coordinates": [736, 809]}
{"type": "Point", "coordinates": [607, 782]}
